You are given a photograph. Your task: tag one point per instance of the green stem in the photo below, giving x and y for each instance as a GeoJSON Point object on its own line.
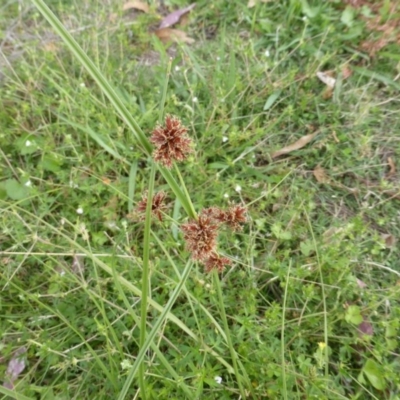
{"type": "Point", "coordinates": [283, 362]}
{"type": "Point", "coordinates": [189, 204]}
{"type": "Point", "coordinates": [217, 284]}
{"type": "Point", "coordinates": [165, 89]}
{"type": "Point", "coordinates": [154, 331]}
{"type": "Point", "coordinates": [112, 95]}
{"type": "Point", "coordinates": [145, 275]}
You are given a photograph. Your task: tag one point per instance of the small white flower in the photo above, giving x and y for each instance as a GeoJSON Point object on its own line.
{"type": "Point", "coordinates": [226, 195]}
{"type": "Point", "coordinates": [218, 58]}
{"type": "Point", "coordinates": [79, 210]}
{"type": "Point", "coordinates": [225, 139]}
{"type": "Point", "coordinates": [82, 84]}
{"type": "Point", "coordinates": [267, 53]}
{"type": "Point", "coordinates": [177, 68]}
{"type": "Point", "coordinates": [126, 364]}
{"type": "Point", "coordinates": [62, 222]}
{"type": "Point", "coordinates": [28, 143]}
{"type": "Point", "coordinates": [304, 18]}
{"type": "Point", "coordinates": [218, 379]}
{"type": "Point", "coordinates": [28, 183]}
{"type": "Point", "coordinates": [238, 188]}
{"type": "Point", "coordinates": [195, 99]}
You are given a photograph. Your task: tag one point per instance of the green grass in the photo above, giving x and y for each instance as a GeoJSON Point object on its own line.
{"type": "Point", "coordinates": [281, 323]}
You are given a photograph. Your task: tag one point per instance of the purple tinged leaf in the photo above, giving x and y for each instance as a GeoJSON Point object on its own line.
{"type": "Point", "coordinates": [361, 284]}
{"type": "Point", "coordinates": [174, 17]}
{"type": "Point", "coordinates": [365, 328]}
{"type": "Point", "coordinates": [15, 367]}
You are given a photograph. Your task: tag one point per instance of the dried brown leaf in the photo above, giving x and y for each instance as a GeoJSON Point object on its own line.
{"type": "Point", "coordinates": [51, 47]}
{"type": "Point", "coordinates": [136, 5]}
{"type": "Point", "coordinates": [174, 17]}
{"type": "Point", "coordinates": [389, 239]}
{"type": "Point", "coordinates": [346, 72]}
{"type": "Point", "coordinates": [335, 138]}
{"type": "Point", "coordinates": [252, 3]}
{"type": "Point", "coordinates": [392, 167]}
{"type": "Point", "coordinates": [327, 78]}
{"type": "Point", "coordinates": [174, 35]}
{"type": "Point", "coordinates": [320, 175]}
{"type": "Point", "coordinates": [361, 284]}
{"type": "Point", "coordinates": [294, 146]}
{"type": "Point", "coordinates": [356, 3]}
{"type": "Point", "coordinates": [328, 93]}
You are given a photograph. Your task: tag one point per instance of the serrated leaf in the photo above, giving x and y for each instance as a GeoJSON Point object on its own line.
{"type": "Point", "coordinates": [310, 12]}
{"type": "Point", "coordinates": [49, 163]}
{"type": "Point", "coordinates": [365, 329]}
{"type": "Point", "coordinates": [373, 372]}
{"type": "Point", "coordinates": [27, 146]}
{"type": "Point", "coordinates": [348, 16]}
{"type": "Point", "coordinates": [279, 233]}
{"type": "Point", "coordinates": [307, 247]}
{"type": "Point", "coordinates": [353, 315]}
{"type": "Point", "coordinates": [16, 190]}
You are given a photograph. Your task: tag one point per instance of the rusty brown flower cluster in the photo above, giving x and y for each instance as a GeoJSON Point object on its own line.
{"type": "Point", "coordinates": [232, 217]}
{"type": "Point", "coordinates": [157, 207]}
{"type": "Point", "coordinates": [171, 141]}
{"type": "Point", "coordinates": [173, 144]}
{"type": "Point", "coordinates": [201, 235]}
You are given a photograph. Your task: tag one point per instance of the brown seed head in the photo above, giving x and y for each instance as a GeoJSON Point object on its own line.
{"type": "Point", "coordinates": [215, 261]}
{"type": "Point", "coordinates": [200, 237]}
{"type": "Point", "coordinates": [171, 141]}
{"type": "Point", "coordinates": [213, 212]}
{"type": "Point", "coordinates": [157, 206]}
{"type": "Point", "coordinates": [233, 217]}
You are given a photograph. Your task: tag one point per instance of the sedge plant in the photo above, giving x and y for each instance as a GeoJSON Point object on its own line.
{"type": "Point", "coordinates": [172, 144]}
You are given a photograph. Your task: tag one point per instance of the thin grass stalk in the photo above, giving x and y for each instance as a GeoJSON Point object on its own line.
{"type": "Point", "coordinates": [124, 282]}
{"type": "Point", "coordinates": [164, 91]}
{"type": "Point", "coordinates": [154, 347]}
{"type": "Point", "coordinates": [217, 285]}
{"type": "Point", "coordinates": [113, 97]}
{"type": "Point", "coordinates": [152, 334]}
{"type": "Point", "coordinates": [34, 299]}
{"type": "Point", "coordinates": [321, 277]}
{"type": "Point", "coordinates": [283, 363]}
{"type": "Point", "coordinates": [145, 275]}
{"type": "Point", "coordinates": [185, 191]}
{"type": "Point", "coordinates": [12, 394]}
{"type": "Point", "coordinates": [190, 297]}
{"type": "Point", "coordinates": [100, 79]}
